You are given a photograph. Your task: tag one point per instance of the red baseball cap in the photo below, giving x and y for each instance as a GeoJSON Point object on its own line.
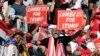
{"type": "Point", "coordinates": [28, 38]}
{"type": "Point", "coordinates": [80, 39]}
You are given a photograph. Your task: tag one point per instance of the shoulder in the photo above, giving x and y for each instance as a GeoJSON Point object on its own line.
{"type": "Point", "coordinates": [11, 46]}
{"type": "Point", "coordinates": [14, 5]}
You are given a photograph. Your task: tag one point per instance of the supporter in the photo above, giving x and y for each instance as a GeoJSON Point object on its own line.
{"type": "Point", "coordinates": [96, 52]}
{"type": "Point", "coordinates": [29, 44]}
{"type": "Point", "coordinates": [86, 9]}
{"type": "Point", "coordinates": [18, 11]}
{"type": "Point", "coordinates": [12, 44]}
{"type": "Point", "coordinates": [89, 42]}
{"type": "Point", "coordinates": [77, 4]}
{"type": "Point", "coordinates": [84, 50]}
{"type": "Point", "coordinates": [36, 39]}
{"type": "Point", "coordinates": [37, 48]}
{"type": "Point", "coordinates": [92, 7]}
{"type": "Point", "coordinates": [63, 38]}
{"type": "Point", "coordinates": [40, 2]}
{"type": "Point", "coordinates": [95, 20]}
{"type": "Point", "coordinates": [68, 50]}
{"type": "Point", "coordinates": [5, 6]}
{"type": "Point", "coordinates": [34, 30]}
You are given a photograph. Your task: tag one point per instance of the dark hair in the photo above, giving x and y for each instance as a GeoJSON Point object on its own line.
{"type": "Point", "coordinates": [44, 1]}
{"type": "Point", "coordinates": [18, 33]}
{"type": "Point", "coordinates": [11, 2]}
{"type": "Point", "coordinates": [31, 28]}
{"type": "Point", "coordinates": [93, 35]}
{"type": "Point", "coordinates": [25, 0]}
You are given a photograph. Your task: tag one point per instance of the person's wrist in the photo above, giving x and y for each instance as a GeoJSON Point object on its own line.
{"type": "Point", "coordinates": [53, 2]}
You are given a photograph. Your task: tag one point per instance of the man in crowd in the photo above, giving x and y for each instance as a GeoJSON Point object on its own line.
{"type": "Point", "coordinates": [11, 45]}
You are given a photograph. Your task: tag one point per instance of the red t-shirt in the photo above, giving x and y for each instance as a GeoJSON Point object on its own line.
{"type": "Point", "coordinates": [95, 24]}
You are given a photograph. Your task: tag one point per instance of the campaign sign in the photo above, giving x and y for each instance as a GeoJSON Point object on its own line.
{"type": "Point", "coordinates": [36, 13]}
{"type": "Point", "coordinates": [69, 19]}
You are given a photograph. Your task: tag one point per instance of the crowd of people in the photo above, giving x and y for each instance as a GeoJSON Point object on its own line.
{"type": "Point", "coordinates": [17, 38]}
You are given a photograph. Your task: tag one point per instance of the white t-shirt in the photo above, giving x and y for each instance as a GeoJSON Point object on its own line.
{"type": "Point", "coordinates": [35, 36]}
{"type": "Point", "coordinates": [91, 46]}
{"type": "Point", "coordinates": [10, 50]}
{"type": "Point", "coordinates": [73, 46]}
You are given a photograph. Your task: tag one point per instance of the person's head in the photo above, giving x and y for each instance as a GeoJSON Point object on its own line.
{"type": "Point", "coordinates": [40, 2]}
{"type": "Point", "coordinates": [19, 1]}
{"type": "Point", "coordinates": [18, 36]}
{"type": "Point", "coordinates": [55, 33]}
{"type": "Point", "coordinates": [28, 37]}
{"type": "Point", "coordinates": [68, 49]}
{"type": "Point", "coordinates": [73, 2]}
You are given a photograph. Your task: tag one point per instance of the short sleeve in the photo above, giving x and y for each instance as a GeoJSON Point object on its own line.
{"type": "Point", "coordinates": [12, 13]}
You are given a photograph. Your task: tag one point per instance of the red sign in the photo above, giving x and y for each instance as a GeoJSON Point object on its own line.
{"type": "Point", "coordinates": [36, 13]}
{"type": "Point", "coordinates": [97, 43]}
{"type": "Point", "coordinates": [70, 19]}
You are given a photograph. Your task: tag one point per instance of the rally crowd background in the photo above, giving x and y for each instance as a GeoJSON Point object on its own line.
{"type": "Point", "coordinates": [17, 38]}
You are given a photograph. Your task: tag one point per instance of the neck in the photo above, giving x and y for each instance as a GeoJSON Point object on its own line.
{"type": "Point", "coordinates": [18, 2]}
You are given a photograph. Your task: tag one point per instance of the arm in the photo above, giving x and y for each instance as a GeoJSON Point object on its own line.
{"type": "Point", "coordinates": [52, 6]}
{"type": "Point", "coordinates": [76, 35]}
{"type": "Point", "coordinates": [77, 4]}
{"type": "Point", "coordinates": [35, 30]}
{"type": "Point", "coordinates": [12, 14]}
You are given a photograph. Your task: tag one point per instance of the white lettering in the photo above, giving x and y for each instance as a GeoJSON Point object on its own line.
{"type": "Point", "coordinates": [69, 26]}
{"type": "Point", "coordinates": [30, 9]}
{"type": "Point", "coordinates": [36, 19]}
{"type": "Point", "coordinates": [36, 13]}
{"type": "Point", "coordinates": [70, 19]}
{"type": "Point", "coordinates": [70, 14]}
